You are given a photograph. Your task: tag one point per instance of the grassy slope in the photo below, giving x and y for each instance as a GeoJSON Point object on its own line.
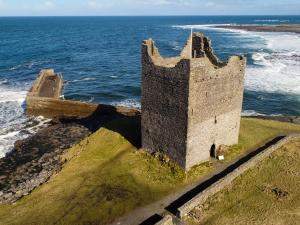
{"type": "Point", "coordinates": [268, 194]}
{"type": "Point", "coordinates": [256, 132]}
{"type": "Point", "coordinates": [106, 177]}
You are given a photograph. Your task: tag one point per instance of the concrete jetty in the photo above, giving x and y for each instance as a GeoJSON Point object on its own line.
{"type": "Point", "coordinates": [45, 99]}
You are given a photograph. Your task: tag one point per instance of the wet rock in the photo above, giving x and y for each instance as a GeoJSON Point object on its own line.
{"type": "Point", "coordinates": [35, 159]}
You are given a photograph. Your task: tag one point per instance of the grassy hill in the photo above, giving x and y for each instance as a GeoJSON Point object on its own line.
{"type": "Point", "coordinates": [256, 132]}
{"type": "Point", "coordinates": [268, 194]}
{"type": "Point", "coordinates": [105, 177]}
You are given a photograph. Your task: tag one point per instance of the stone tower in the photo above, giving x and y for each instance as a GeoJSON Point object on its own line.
{"type": "Point", "coordinates": [191, 104]}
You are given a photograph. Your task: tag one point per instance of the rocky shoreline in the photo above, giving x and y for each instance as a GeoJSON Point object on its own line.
{"type": "Point", "coordinates": [34, 160]}
{"type": "Point", "coordinates": [264, 28]}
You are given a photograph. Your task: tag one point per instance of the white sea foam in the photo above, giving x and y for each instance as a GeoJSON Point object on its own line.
{"type": "Point", "coordinates": [15, 67]}
{"type": "Point", "coordinates": [272, 20]}
{"type": "Point", "coordinates": [283, 42]}
{"type": "Point", "coordinates": [5, 81]}
{"type": "Point", "coordinates": [175, 45]}
{"type": "Point", "coordinates": [91, 99]}
{"type": "Point", "coordinates": [128, 103]}
{"type": "Point", "coordinates": [83, 79]}
{"type": "Point", "coordinates": [14, 125]}
{"type": "Point", "coordinates": [279, 69]}
{"type": "Point", "coordinates": [254, 113]}
{"type": "Point", "coordinates": [210, 27]}
{"type": "Point", "coordinates": [25, 127]}
{"type": "Point", "coordinates": [251, 113]}
{"type": "Point", "coordinates": [201, 26]}
{"type": "Point", "coordinates": [12, 96]}
{"type": "Point", "coordinates": [276, 59]}
{"type": "Point", "coordinates": [26, 65]}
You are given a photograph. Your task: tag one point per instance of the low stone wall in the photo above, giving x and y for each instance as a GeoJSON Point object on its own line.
{"type": "Point", "coordinates": [59, 108]}
{"type": "Point", "coordinates": [227, 180]}
{"type": "Point", "coordinates": [51, 107]}
{"type": "Point", "coordinates": [224, 182]}
{"type": "Point", "coordinates": [167, 220]}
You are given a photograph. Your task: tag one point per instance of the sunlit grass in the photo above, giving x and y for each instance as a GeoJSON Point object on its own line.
{"type": "Point", "coordinates": [256, 132]}
{"type": "Point", "coordinates": [105, 176]}
{"type": "Point", "coordinates": [267, 194]}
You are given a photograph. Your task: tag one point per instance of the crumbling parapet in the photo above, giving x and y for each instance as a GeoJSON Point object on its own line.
{"type": "Point", "coordinates": [191, 104]}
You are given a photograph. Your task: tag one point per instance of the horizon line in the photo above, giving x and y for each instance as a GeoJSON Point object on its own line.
{"type": "Point", "coordinates": [163, 15]}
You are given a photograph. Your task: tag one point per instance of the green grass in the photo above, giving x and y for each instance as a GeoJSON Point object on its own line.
{"type": "Point", "coordinates": [267, 194]}
{"type": "Point", "coordinates": [105, 177]}
{"type": "Point", "coordinates": [256, 132]}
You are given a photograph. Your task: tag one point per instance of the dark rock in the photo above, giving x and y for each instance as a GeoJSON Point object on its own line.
{"type": "Point", "coordinates": [279, 193]}
{"type": "Point", "coordinates": [35, 159]}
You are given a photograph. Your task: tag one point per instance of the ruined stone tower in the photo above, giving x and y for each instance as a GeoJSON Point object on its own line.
{"type": "Point", "coordinates": [191, 104]}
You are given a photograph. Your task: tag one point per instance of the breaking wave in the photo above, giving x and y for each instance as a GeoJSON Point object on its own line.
{"type": "Point", "coordinates": [134, 103]}
{"type": "Point", "coordinates": [275, 58]}
{"type": "Point", "coordinates": [201, 26]}
{"type": "Point", "coordinates": [83, 79]}
{"type": "Point", "coordinates": [5, 81]}
{"type": "Point", "coordinates": [273, 21]}
{"type": "Point", "coordinates": [26, 65]}
{"type": "Point", "coordinates": [209, 27]}
{"type": "Point", "coordinates": [254, 113]}
{"type": "Point", "coordinates": [14, 125]}
{"type": "Point", "coordinates": [278, 70]}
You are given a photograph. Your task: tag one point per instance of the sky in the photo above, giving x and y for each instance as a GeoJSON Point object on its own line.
{"type": "Point", "coordinates": [147, 7]}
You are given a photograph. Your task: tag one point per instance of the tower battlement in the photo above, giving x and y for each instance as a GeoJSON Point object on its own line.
{"type": "Point", "coordinates": [191, 103]}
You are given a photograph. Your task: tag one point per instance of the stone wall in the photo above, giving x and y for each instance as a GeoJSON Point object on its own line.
{"type": "Point", "coordinates": [190, 103]}
{"type": "Point", "coordinates": [222, 183]}
{"type": "Point", "coordinates": [164, 104]}
{"type": "Point", "coordinates": [215, 104]}
{"type": "Point", "coordinates": [229, 178]}
{"type": "Point", "coordinates": [51, 107]}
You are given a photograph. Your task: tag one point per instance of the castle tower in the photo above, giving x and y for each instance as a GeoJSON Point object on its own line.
{"type": "Point", "coordinates": [191, 104]}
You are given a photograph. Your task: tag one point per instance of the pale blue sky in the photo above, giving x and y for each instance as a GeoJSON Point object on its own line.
{"type": "Point", "coordinates": [148, 7]}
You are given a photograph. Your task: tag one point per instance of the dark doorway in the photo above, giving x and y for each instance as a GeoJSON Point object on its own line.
{"type": "Point", "coordinates": [213, 152]}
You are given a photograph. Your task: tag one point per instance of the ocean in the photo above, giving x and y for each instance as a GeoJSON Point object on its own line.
{"type": "Point", "coordinates": [99, 58]}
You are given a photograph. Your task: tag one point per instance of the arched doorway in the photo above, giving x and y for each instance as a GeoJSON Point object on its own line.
{"type": "Point", "coordinates": [213, 152]}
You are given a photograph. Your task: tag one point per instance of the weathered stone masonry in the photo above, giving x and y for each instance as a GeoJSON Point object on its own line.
{"type": "Point", "coordinates": [191, 104]}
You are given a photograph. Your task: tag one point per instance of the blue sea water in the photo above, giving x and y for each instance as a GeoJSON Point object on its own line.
{"type": "Point", "coordinates": [99, 58]}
